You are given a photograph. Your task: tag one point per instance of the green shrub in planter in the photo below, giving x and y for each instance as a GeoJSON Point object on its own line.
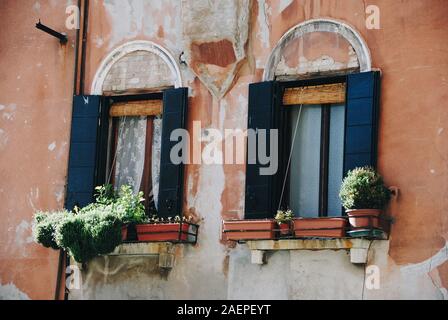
{"type": "Point", "coordinates": [88, 235]}
{"type": "Point", "coordinates": [93, 230]}
{"type": "Point", "coordinates": [363, 188]}
{"type": "Point", "coordinates": [44, 227]}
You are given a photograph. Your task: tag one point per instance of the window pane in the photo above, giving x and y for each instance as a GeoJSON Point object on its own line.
{"type": "Point", "coordinates": [336, 158]}
{"type": "Point", "coordinates": [130, 157]}
{"type": "Point", "coordinates": [305, 161]}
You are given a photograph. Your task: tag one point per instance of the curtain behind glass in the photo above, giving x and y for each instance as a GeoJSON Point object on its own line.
{"type": "Point", "coordinates": [156, 149]}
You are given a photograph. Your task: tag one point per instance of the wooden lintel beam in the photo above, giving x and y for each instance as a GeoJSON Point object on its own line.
{"type": "Point", "coordinates": [321, 94]}
{"type": "Point", "coordinates": [137, 108]}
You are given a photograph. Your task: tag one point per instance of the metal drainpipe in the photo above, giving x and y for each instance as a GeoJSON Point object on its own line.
{"type": "Point", "coordinates": [77, 76]}
{"type": "Point", "coordinates": [84, 45]}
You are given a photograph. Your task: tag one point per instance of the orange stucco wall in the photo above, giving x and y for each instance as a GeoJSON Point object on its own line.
{"type": "Point", "coordinates": [36, 81]}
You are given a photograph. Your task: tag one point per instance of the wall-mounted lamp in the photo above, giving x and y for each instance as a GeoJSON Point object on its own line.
{"type": "Point", "coordinates": [62, 37]}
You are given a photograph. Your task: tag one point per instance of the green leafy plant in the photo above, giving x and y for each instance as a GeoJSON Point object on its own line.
{"type": "Point", "coordinates": [106, 195]}
{"type": "Point", "coordinates": [44, 227]}
{"type": "Point", "coordinates": [93, 230]}
{"type": "Point", "coordinates": [284, 216]}
{"type": "Point", "coordinates": [88, 235]}
{"type": "Point", "coordinates": [129, 207]}
{"type": "Point", "coordinates": [364, 188]}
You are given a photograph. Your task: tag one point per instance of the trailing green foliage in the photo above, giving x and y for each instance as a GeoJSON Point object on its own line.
{"type": "Point", "coordinates": [44, 228]}
{"type": "Point", "coordinates": [363, 188]}
{"type": "Point", "coordinates": [88, 235]}
{"type": "Point", "coordinates": [93, 230]}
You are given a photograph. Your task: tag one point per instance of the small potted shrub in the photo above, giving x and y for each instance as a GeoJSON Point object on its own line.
{"type": "Point", "coordinates": [364, 196]}
{"type": "Point", "coordinates": [159, 229]}
{"type": "Point", "coordinates": [284, 219]}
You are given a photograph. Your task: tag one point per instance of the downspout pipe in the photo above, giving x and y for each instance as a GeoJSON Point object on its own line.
{"type": "Point", "coordinates": [84, 46]}
{"type": "Point", "coordinates": [78, 89]}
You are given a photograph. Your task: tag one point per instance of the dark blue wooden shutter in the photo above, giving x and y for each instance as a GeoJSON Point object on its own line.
{"type": "Point", "coordinates": [262, 114]}
{"type": "Point", "coordinates": [175, 102]}
{"type": "Point", "coordinates": [83, 151]}
{"type": "Point", "coordinates": [363, 93]}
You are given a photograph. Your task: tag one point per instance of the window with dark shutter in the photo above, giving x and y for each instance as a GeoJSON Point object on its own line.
{"type": "Point", "coordinates": [327, 127]}
{"type": "Point", "coordinates": [120, 140]}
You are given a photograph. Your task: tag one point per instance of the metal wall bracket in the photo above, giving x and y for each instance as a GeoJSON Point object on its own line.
{"type": "Point", "coordinates": [61, 36]}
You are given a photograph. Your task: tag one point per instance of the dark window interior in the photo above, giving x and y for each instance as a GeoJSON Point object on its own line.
{"type": "Point", "coordinates": [312, 162]}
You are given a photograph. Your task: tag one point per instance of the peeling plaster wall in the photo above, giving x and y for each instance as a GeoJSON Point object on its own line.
{"type": "Point", "coordinates": [410, 49]}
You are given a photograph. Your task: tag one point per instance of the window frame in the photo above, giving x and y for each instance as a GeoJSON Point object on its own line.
{"type": "Point", "coordinates": [285, 137]}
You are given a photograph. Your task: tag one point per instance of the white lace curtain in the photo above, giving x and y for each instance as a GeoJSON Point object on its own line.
{"type": "Point", "coordinates": [130, 157]}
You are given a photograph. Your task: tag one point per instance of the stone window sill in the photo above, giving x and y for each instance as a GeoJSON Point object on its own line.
{"type": "Point", "coordinates": [358, 247]}
{"type": "Point", "coordinates": [164, 250]}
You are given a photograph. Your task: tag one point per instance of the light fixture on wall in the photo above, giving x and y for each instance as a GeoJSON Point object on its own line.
{"type": "Point", "coordinates": [62, 37]}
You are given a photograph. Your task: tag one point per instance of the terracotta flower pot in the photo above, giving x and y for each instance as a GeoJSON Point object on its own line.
{"type": "Point", "coordinates": [249, 229]}
{"type": "Point", "coordinates": [320, 227]}
{"type": "Point", "coordinates": [162, 232]}
{"type": "Point", "coordinates": [364, 218]}
{"type": "Point", "coordinates": [124, 233]}
{"type": "Point", "coordinates": [285, 229]}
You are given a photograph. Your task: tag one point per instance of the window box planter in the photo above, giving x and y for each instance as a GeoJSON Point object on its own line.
{"type": "Point", "coordinates": [320, 227]}
{"type": "Point", "coordinates": [171, 232]}
{"type": "Point", "coordinates": [238, 230]}
{"type": "Point", "coordinates": [364, 218]}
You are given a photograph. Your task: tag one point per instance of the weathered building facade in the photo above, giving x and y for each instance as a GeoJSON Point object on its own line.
{"type": "Point", "coordinates": [217, 49]}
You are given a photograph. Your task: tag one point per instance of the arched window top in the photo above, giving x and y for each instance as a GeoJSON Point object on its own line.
{"type": "Point", "coordinates": [154, 52]}
{"type": "Point", "coordinates": [355, 42]}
